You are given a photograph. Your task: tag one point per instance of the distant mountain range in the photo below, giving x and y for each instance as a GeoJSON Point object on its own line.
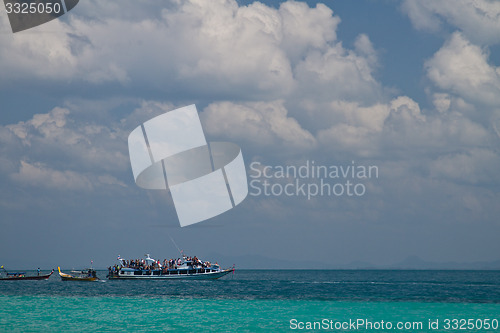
{"type": "Point", "coordinates": [412, 262]}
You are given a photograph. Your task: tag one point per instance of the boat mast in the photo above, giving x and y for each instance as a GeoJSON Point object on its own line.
{"type": "Point", "coordinates": [180, 251]}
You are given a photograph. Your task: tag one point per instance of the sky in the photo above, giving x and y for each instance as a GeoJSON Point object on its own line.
{"type": "Point", "coordinates": [411, 87]}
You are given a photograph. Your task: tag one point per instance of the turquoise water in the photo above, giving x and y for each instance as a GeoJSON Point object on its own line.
{"type": "Point", "coordinates": [268, 301]}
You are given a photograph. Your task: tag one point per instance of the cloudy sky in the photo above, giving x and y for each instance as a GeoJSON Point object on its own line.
{"type": "Point", "coordinates": [412, 87]}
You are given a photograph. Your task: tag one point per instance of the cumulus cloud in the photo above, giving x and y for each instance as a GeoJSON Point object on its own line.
{"type": "Point", "coordinates": [59, 53]}
{"type": "Point", "coordinates": [399, 129]}
{"type": "Point", "coordinates": [476, 166]}
{"type": "Point", "coordinates": [441, 102]}
{"type": "Point", "coordinates": [261, 123]}
{"type": "Point", "coordinates": [312, 92]}
{"type": "Point", "coordinates": [360, 129]}
{"type": "Point", "coordinates": [48, 125]}
{"type": "Point", "coordinates": [337, 73]}
{"type": "Point", "coordinates": [306, 28]}
{"type": "Point", "coordinates": [58, 136]}
{"type": "Point", "coordinates": [433, 135]}
{"type": "Point", "coordinates": [278, 82]}
{"type": "Point", "coordinates": [479, 20]}
{"type": "Point", "coordinates": [43, 176]}
{"type": "Point", "coordinates": [212, 48]}
{"type": "Point", "coordinates": [462, 68]}
{"type": "Point", "coordinates": [53, 150]}
{"type": "Point", "coordinates": [464, 78]}
{"type": "Point", "coordinates": [364, 46]}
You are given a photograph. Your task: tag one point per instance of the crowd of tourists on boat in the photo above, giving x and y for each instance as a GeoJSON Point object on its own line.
{"type": "Point", "coordinates": [151, 264]}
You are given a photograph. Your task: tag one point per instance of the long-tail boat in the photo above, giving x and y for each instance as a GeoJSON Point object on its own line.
{"type": "Point", "coordinates": [23, 276]}
{"type": "Point", "coordinates": [85, 275]}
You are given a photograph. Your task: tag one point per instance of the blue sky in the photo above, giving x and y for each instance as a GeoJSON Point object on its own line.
{"type": "Point", "coordinates": [409, 86]}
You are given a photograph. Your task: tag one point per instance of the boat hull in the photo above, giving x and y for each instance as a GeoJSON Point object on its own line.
{"type": "Point", "coordinates": [74, 278]}
{"type": "Point", "coordinates": [193, 276]}
{"type": "Point", "coordinates": [69, 277]}
{"type": "Point", "coordinates": [35, 277]}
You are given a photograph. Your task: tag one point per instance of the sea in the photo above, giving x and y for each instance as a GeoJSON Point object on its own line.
{"type": "Point", "coordinates": [260, 301]}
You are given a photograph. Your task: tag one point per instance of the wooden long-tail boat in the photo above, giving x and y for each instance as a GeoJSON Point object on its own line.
{"type": "Point", "coordinates": [23, 276]}
{"type": "Point", "coordinates": [85, 275]}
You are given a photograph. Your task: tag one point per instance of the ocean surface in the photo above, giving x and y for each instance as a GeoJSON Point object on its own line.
{"type": "Point", "coordinates": [260, 301]}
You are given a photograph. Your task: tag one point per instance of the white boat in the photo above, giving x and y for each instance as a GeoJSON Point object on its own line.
{"type": "Point", "coordinates": [149, 268]}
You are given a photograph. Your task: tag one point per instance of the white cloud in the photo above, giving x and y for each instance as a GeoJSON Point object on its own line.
{"type": "Point", "coordinates": [306, 28]}
{"type": "Point", "coordinates": [364, 46]}
{"type": "Point", "coordinates": [406, 109]}
{"type": "Point", "coordinates": [54, 150]}
{"type": "Point", "coordinates": [462, 68]}
{"type": "Point", "coordinates": [496, 124]}
{"type": "Point", "coordinates": [278, 82]}
{"type": "Point", "coordinates": [43, 176]}
{"type": "Point", "coordinates": [48, 125]}
{"type": "Point", "coordinates": [276, 79]}
{"type": "Point", "coordinates": [57, 135]}
{"type": "Point", "coordinates": [479, 19]}
{"type": "Point", "coordinates": [54, 51]}
{"type": "Point", "coordinates": [219, 43]}
{"type": "Point", "coordinates": [337, 73]}
{"type": "Point", "coordinates": [312, 91]}
{"type": "Point", "coordinates": [360, 129]}
{"type": "Point", "coordinates": [411, 134]}
{"type": "Point", "coordinates": [398, 129]}
{"type": "Point", "coordinates": [201, 48]}
{"type": "Point", "coordinates": [265, 124]}
{"type": "Point", "coordinates": [421, 16]}
{"type": "Point", "coordinates": [358, 141]}
{"type": "Point", "coordinates": [371, 117]}
{"type": "Point", "coordinates": [467, 81]}
{"type": "Point", "coordinates": [110, 180]}
{"type": "Point", "coordinates": [476, 166]}
{"type": "Point", "coordinates": [441, 102]}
